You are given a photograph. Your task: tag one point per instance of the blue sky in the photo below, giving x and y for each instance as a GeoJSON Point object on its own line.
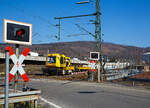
{"type": "Point", "coordinates": [124, 22]}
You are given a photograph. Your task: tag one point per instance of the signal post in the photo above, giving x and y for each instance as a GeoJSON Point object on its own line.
{"type": "Point", "coordinates": [17, 33]}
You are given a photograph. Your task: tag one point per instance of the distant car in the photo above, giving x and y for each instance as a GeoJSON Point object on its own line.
{"type": "Point", "coordinates": [33, 54]}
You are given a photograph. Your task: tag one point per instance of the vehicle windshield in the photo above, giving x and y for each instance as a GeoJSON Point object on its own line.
{"type": "Point", "coordinates": [67, 62]}
{"type": "Point", "coordinates": [52, 59]}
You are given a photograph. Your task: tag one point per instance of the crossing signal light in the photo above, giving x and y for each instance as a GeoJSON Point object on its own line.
{"type": "Point", "coordinates": [20, 32]}
{"type": "Point", "coordinates": [94, 55]}
{"type": "Point", "coordinates": [17, 32]}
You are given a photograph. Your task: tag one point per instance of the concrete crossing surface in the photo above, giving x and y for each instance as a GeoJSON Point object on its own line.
{"type": "Point", "coordinates": [69, 94]}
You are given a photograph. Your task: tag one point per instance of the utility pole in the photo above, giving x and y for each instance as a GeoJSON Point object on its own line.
{"type": "Point", "coordinates": [98, 38]}
{"type": "Point", "coordinates": [97, 35]}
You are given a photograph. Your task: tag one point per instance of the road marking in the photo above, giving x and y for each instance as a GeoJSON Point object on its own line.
{"type": "Point", "coordinates": [50, 103]}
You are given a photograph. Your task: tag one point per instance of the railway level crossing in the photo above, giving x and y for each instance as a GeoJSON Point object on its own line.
{"type": "Point", "coordinates": [17, 64]}
{"type": "Point", "coordinates": [17, 33]}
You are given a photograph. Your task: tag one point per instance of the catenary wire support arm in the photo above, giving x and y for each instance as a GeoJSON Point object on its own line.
{"type": "Point", "coordinates": [60, 18]}
{"type": "Point", "coordinates": [93, 14]}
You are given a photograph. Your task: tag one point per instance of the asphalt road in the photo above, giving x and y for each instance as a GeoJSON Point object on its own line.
{"type": "Point", "coordinates": [67, 94]}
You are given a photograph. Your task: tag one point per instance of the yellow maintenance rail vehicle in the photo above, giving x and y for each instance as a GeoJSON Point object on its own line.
{"type": "Point", "coordinates": [58, 64]}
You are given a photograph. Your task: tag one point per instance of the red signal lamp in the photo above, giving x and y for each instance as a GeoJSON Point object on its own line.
{"type": "Point", "coordinates": [20, 32]}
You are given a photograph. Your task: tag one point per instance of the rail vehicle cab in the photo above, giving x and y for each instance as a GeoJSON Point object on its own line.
{"type": "Point", "coordinates": [69, 66]}
{"type": "Point", "coordinates": [56, 60]}
{"type": "Point", "coordinates": [68, 61]}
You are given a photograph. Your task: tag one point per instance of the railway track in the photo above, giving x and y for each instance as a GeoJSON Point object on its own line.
{"type": "Point", "coordinates": [73, 76]}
